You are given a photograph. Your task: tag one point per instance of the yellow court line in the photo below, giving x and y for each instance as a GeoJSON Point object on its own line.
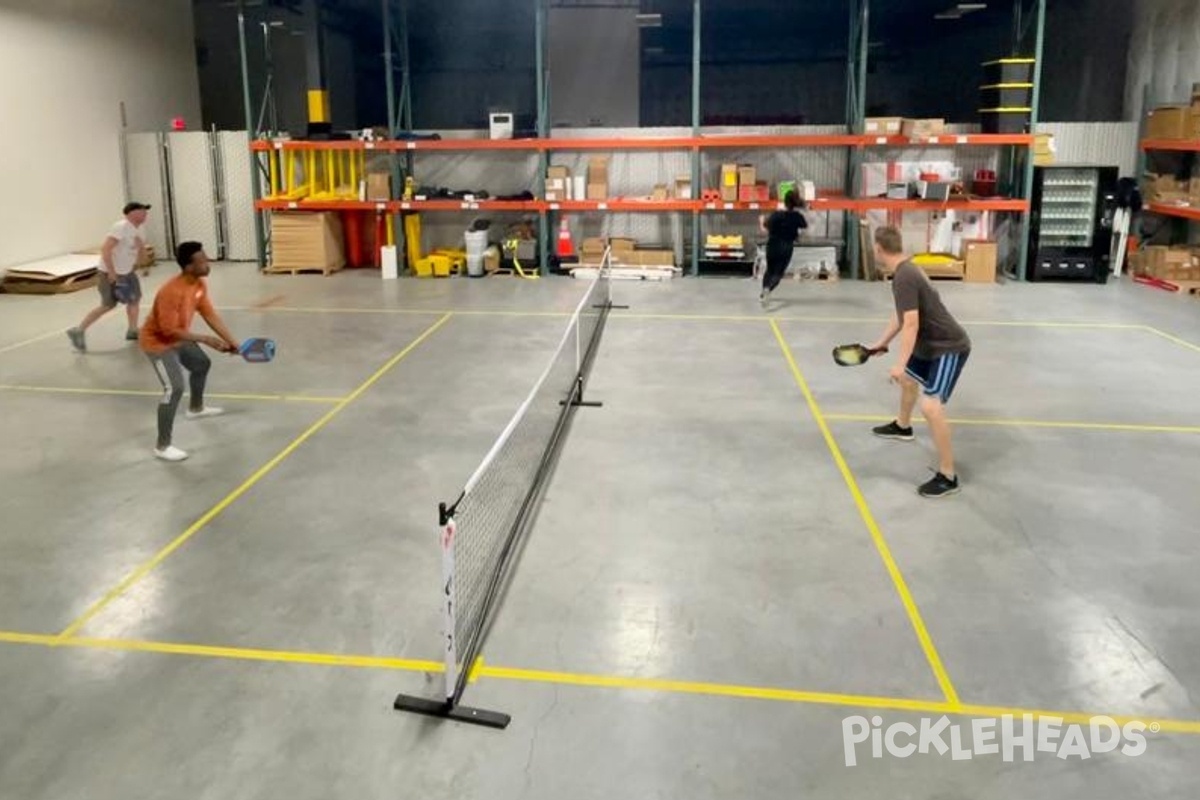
{"type": "Point", "coordinates": [145, 569]}
{"type": "Point", "coordinates": [230, 653]}
{"type": "Point", "coordinates": [1031, 423]}
{"type": "Point", "coordinates": [1172, 338]}
{"type": "Point", "coordinates": [18, 345]}
{"type": "Point", "coordinates": [586, 680]}
{"type": "Point", "coordinates": [282, 398]}
{"type": "Point", "coordinates": [910, 605]}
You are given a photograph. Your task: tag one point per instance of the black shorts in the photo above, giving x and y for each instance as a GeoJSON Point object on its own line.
{"type": "Point", "coordinates": [938, 376]}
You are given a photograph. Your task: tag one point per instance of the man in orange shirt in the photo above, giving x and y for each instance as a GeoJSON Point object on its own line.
{"type": "Point", "coordinates": [172, 347]}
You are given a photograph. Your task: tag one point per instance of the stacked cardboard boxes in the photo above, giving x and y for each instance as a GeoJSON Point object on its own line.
{"type": "Point", "coordinates": [1168, 189]}
{"type": "Point", "coordinates": [597, 178]}
{"type": "Point", "coordinates": [558, 181]}
{"type": "Point", "coordinates": [1168, 263]}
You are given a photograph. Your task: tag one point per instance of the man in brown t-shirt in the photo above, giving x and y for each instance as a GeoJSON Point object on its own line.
{"type": "Point", "coordinates": [933, 350]}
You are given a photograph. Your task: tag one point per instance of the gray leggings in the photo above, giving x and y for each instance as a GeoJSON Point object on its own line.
{"type": "Point", "coordinates": [169, 367]}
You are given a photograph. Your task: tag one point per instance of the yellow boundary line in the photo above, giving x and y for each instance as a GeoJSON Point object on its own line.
{"type": "Point", "coordinates": [585, 680]}
{"type": "Point", "coordinates": [1172, 338]}
{"type": "Point", "coordinates": [910, 605]}
{"type": "Point", "coordinates": [142, 571]}
{"type": "Point", "coordinates": [281, 398]}
{"type": "Point", "coordinates": [1031, 423]}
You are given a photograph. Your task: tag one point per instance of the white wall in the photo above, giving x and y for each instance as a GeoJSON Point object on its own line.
{"type": "Point", "coordinates": [67, 66]}
{"type": "Point", "coordinates": [1164, 53]}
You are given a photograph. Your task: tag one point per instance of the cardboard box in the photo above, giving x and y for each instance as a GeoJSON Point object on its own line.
{"type": "Point", "coordinates": [1169, 122]}
{"type": "Point", "coordinates": [1171, 263]}
{"type": "Point", "coordinates": [1194, 191]}
{"type": "Point", "coordinates": [597, 178]}
{"type": "Point", "coordinates": [379, 186]}
{"type": "Point", "coordinates": [729, 183]}
{"type": "Point", "coordinates": [683, 187]}
{"type": "Point", "coordinates": [747, 175]}
{"type": "Point", "coordinates": [620, 245]}
{"type": "Point", "coordinates": [922, 128]}
{"type": "Point", "coordinates": [884, 126]}
{"type": "Point", "coordinates": [981, 257]}
{"type": "Point", "coordinates": [660, 193]}
{"type": "Point", "coordinates": [1194, 120]}
{"type": "Point", "coordinates": [654, 257]}
{"type": "Point", "coordinates": [558, 173]}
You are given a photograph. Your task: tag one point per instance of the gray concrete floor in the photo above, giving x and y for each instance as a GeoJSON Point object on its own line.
{"type": "Point", "coordinates": [702, 600]}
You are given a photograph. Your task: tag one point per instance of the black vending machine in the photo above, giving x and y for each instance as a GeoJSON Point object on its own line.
{"type": "Point", "coordinates": [1071, 223]}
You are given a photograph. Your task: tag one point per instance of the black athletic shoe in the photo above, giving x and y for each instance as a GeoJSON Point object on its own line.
{"type": "Point", "coordinates": [938, 486]}
{"type": "Point", "coordinates": [893, 431]}
{"type": "Point", "coordinates": [131, 336]}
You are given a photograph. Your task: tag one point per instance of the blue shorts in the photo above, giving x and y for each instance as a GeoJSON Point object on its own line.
{"type": "Point", "coordinates": [938, 376]}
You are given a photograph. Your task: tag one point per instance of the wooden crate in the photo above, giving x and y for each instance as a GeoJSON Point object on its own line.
{"type": "Point", "coordinates": [306, 241]}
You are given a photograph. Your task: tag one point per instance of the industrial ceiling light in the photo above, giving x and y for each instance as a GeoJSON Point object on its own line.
{"type": "Point", "coordinates": [649, 20]}
{"type": "Point", "coordinates": [966, 8]}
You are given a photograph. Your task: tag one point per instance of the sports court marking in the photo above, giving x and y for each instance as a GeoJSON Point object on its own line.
{"type": "Point", "coordinates": [910, 605]}
{"type": "Point", "coordinates": [281, 398]}
{"type": "Point", "coordinates": [26, 342]}
{"type": "Point", "coordinates": [1172, 338]}
{"type": "Point", "coordinates": [146, 568]}
{"type": "Point", "coordinates": [587, 680]}
{"type": "Point", "coordinates": [1030, 423]}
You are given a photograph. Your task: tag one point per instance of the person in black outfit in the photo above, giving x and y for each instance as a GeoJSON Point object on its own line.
{"type": "Point", "coordinates": [781, 228]}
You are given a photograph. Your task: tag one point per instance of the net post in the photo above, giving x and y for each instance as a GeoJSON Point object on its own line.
{"type": "Point", "coordinates": [446, 522]}
{"type": "Point", "coordinates": [449, 708]}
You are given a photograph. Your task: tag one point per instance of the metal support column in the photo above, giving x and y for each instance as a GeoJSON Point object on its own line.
{"type": "Point", "coordinates": [389, 75]}
{"type": "Point", "coordinates": [1027, 182]}
{"type": "Point", "coordinates": [857, 51]}
{"type": "Point", "coordinates": [314, 62]}
{"type": "Point", "coordinates": [697, 154]}
{"type": "Point", "coordinates": [543, 130]}
{"type": "Point", "coordinates": [260, 236]}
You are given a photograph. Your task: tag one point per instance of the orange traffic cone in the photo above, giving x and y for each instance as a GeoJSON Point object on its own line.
{"type": "Point", "coordinates": [566, 247]}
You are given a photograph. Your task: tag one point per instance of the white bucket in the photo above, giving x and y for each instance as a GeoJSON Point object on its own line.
{"type": "Point", "coordinates": [476, 243]}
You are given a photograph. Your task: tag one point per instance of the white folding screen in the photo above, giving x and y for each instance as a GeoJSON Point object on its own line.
{"type": "Point", "coordinates": [144, 169]}
{"type": "Point", "coordinates": [193, 189]}
{"type": "Point", "coordinates": [233, 157]}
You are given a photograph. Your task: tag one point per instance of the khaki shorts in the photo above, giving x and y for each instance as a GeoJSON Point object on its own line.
{"type": "Point", "coordinates": [130, 289]}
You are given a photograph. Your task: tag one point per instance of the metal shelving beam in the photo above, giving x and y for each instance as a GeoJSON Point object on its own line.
{"type": "Point", "coordinates": [856, 111]}
{"type": "Point", "coordinates": [260, 236]}
{"type": "Point", "coordinates": [696, 154]}
{"type": "Point", "coordinates": [543, 129]}
{"type": "Point", "coordinates": [1021, 28]}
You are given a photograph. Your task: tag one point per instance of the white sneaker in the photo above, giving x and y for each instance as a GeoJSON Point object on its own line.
{"type": "Point", "coordinates": [170, 453]}
{"type": "Point", "coordinates": [207, 411]}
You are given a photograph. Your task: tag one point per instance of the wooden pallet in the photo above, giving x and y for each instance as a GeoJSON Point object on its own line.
{"type": "Point", "coordinates": [284, 269]}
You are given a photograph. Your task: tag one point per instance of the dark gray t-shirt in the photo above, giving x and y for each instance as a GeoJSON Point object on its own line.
{"type": "Point", "coordinates": [939, 332]}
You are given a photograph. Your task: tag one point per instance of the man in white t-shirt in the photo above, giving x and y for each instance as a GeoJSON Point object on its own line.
{"type": "Point", "coordinates": [118, 281]}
